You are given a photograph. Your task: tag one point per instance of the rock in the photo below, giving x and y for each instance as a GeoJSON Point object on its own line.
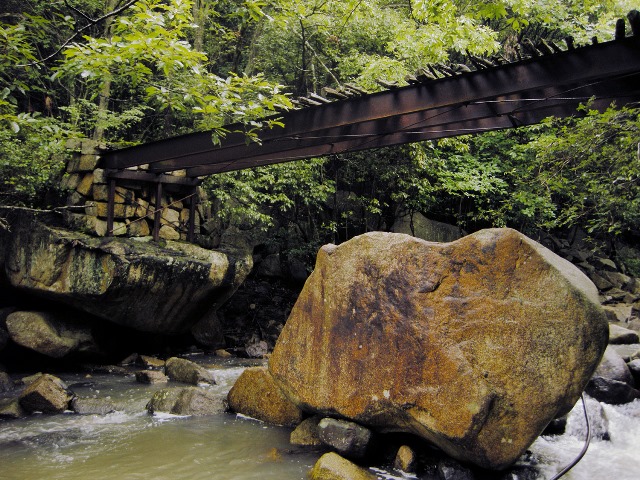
{"type": "Point", "coordinates": [144, 286]}
{"type": "Point", "coordinates": [622, 336]}
{"type": "Point", "coordinates": [129, 360]}
{"type": "Point", "coordinates": [297, 270]}
{"type": "Point", "coordinates": [185, 401]}
{"type": "Point", "coordinates": [617, 279]}
{"type": "Point", "coordinates": [92, 406]}
{"type": "Point", "coordinates": [604, 264]}
{"type": "Point", "coordinates": [347, 438]}
{"type": "Point", "coordinates": [46, 394]}
{"type": "Point", "coordinates": [150, 362]}
{"type": "Point", "coordinates": [306, 433]}
{"type": "Point", "coordinates": [521, 473]}
{"type": "Point", "coordinates": [223, 353]}
{"type": "Point", "coordinates": [270, 266]}
{"type": "Point", "coordinates": [420, 226]}
{"type": "Point", "coordinates": [627, 352]}
{"type": "Point", "coordinates": [186, 371]}
{"type": "Point", "coordinates": [208, 331]}
{"type": "Point", "coordinates": [256, 395]}
{"type": "Point", "coordinates": [405, 460]}
{"type": "Point", "coordinates": [634, 368]}
{"type": "Point", "coordinates": [5, 382]}
{"type": "Point", "coordinates": [601, 283]}
{"type": "Point", "coordinates": [46, 334]}
{"type": "Point", "coordinates": [332, 466]}
{"type": "Point", "coordinates": [613, 367]}
{"type": "Point", "coordinates": [449, 469]}
{"type": "Point", "coordinates": [598, 421]}
{"type": "Point", "coordinates": [617, 312]}
{"type": "Point", "coordinates": [257, 349]}
{"type": "Point", "coordinates": [11, 410]}
{"type": "Point", "coordinates": [475, 345]}
{"type": "Point", "coordinates": [611, 391]}
{"type": "Point", "coordinates": [557, 426]}
{"type": "Point", "coordinates": [151, 377]}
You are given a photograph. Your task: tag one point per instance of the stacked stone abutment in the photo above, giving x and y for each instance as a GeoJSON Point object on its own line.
{"type": "Point", "coordinates": [134, 201]}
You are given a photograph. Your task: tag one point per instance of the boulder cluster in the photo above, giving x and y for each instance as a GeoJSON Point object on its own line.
{"type": "Point", "coordinates": [45, 393]}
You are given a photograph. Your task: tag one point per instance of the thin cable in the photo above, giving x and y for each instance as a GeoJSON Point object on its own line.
{"type": "Point", "coordinates": [562, 472]}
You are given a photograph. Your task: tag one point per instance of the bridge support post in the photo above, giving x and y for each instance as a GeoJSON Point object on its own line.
{"type": "Point", "coordinates": [157, 214]}
{"type": "Point", "coordinates": [192, 214]}
{"type": "Point", "coordinates": [111, 200]}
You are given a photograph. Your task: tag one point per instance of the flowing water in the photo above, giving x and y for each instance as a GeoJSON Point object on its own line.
{"type": "Point", "coordinates": [131, 444]}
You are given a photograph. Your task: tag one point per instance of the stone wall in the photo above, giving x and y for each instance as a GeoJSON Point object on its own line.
{"type": "Point", "coordinates": [134, 206]}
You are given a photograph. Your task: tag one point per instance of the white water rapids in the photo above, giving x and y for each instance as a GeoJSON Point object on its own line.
{"type": "Point", "coordinates": [130, 444]}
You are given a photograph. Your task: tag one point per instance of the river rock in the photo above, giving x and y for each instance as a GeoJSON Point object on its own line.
{"type": "Point", "coordinates": [186, 371]}
{"type": "Point", "coordinates": [47, 334]}
{"type": "Point", "coordinates": [622, 336]}
{"type": "Point", "coordinates": [5, 382]}
{"type": "Point", "coordinates": [11, 410]}
{"type": "Point", "coordinates": [474, 345]}
{"type": "Point", "coordinates": [185, 401]}
{"type": "Point", "coordinates": [151, 377]}
{"type": "Point", "coordinates": [347, 438]}
{"type": "Point", "coordinates": [256, 395]}
{"type": "Point", "coordinates": [45, 394]}
{"type": "Point", "coordinates": [634, 368]}
{"type": "Point", "coordinates": [405, 460]}
{"type": "Point", "coordinates": [332, 466]}
{"type": "Point", "coordinates": [306, 433]}
{"type": "Point", "coordinates": [613, 367]}
{"type": "Point", "coordinates": [449, 469]}
{"type": "Point", "coordinates": [92, 406]}
{"type": "Point", "coordinates": [146, 286]}
{"type": "Point", "coordinates": [208, 331]}
{"type": "Point", "coordinates": [150, 362]}
{"type": "Point", "coordinates": [611, 391]}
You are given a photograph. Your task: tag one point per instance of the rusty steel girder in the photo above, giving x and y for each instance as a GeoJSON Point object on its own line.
{"type": "Point", "coordinates": [499, 97]}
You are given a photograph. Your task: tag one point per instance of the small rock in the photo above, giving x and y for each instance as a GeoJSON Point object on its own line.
{"type": "Point", "coordinates": [332, 466]}
{"type": "Point", "coordinates": [306, 434]}
{"type": "Point", "coordinates": [622, 336]}
{"type": "Point", "coordinates": [557, 426]}
{"type": "Point", "coordinates": [405, 459]}
{"type": "Point", "coordinates": [257, 349]}
{"type": "Point", "coordinates": [634, 367]}
{"type": "Point", "coordinates": [256, 395]}
{"type": "Point", "coordinates": [347, 438]}
{"type": "Point", "coordinates": [619, 280]}
{"type": "Point", "coordinates": [11, 410]}
{"type": "Point", "coordinates": [186, 371]}
{"type": "Point", "coordinates": [617, 312]}
{"type": "Point", "coordinates": [150, 362]}
{"type": "Point", "coordinates": [45, 394]}
{"type": "Point", "coordinates": [185, 401]}
{"type": "Point", "coordinates": [130, 360]}
{"type": "Point", "coordinates": [92, 406]}
{"type": "Point", "coordinates": [221, 352]}
{"type": "Point", "coordinates": [627, 352]}
{"type": "Point", "coordinates": [611, 391]}
{"type": "Point", "coordinates": [613, 367]}
{"type": "Point", "coordinates": [449, 469]}
{"type": "Point", "coordinates": [604, 264]}
{"type": "Point", "coordinates": [151, 377]}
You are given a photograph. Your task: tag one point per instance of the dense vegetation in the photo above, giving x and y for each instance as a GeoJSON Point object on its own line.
{"type": "Point", "coordinates": [130, 71]}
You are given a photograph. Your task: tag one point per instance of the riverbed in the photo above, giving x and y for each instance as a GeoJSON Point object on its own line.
{"type": "Point", "coordinates": [131, 444]}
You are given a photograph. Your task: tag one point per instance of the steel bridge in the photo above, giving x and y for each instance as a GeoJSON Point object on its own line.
{"type": "Point", "coordinates": [442, 101]}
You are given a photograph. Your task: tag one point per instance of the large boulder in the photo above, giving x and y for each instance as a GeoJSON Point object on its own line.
{"type": "Point", "coordinates": [474, 345]}
{"type": "Point", "coordinates": [146, 286]}
{"type": "Point", "coordinates": [49, 335]}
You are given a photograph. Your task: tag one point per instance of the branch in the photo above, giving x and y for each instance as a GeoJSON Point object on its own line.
{"type": "Point", "coordinates": [117, 11]}
{"type": "Point", "coordinates": [78, 11]}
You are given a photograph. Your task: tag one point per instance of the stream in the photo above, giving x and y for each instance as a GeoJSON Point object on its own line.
{"type": "Point", "coordinates": [131, 444]}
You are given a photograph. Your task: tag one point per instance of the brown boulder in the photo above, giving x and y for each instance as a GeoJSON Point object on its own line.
{"type": "Point", "coordinates": [185, 401]}
{"type": "Point", "coordinates": [45, 394]}
{"type": "Point", "coordinates": [332, 466]}
{"type": "Point", "coordinates": [256, 395]}
{"type": "Point", "coordinates": [475, 345]}
{"type": "Point", "coordinates": [186, 371]}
